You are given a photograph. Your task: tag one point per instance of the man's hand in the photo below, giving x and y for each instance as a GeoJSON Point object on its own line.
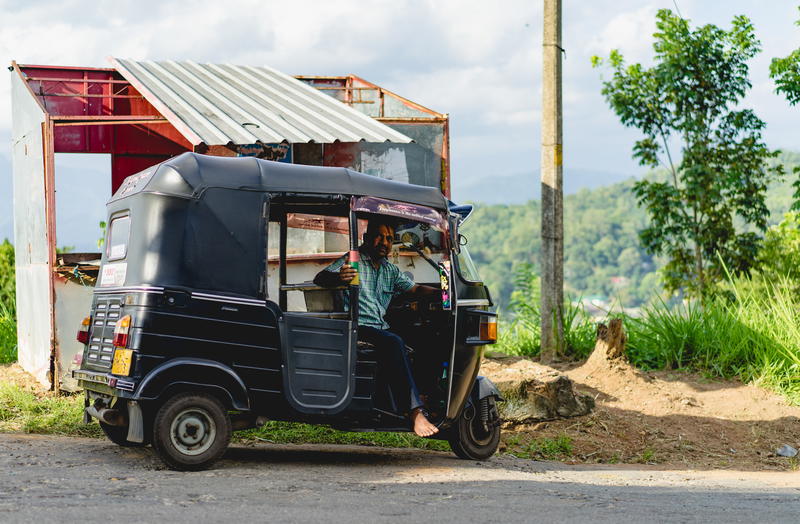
{"type": "Point", "coordinates": [347, 273]}
{"type": "Point", "coordinates": [424, 290]}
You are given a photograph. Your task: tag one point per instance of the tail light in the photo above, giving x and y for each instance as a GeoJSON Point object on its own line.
{"type": "Point", "coordinates": [488, 328]}
{"type": "Point", "coordinates": [121, 331]}
{"type": "Point", "coordinates": [83, 331]}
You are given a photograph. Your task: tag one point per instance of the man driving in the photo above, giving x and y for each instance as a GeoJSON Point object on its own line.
{"type": "Point", "coordinates": [380, 280]}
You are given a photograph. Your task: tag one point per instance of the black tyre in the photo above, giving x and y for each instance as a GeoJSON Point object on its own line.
{"type": "Point", "coordinates": [119, 436]}
{"type": "Point", "coordinates": [191, 431]}
{"type": "Point", "coordinates": [472, 438]}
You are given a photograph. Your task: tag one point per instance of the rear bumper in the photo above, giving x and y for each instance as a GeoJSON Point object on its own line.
{"type": "Point", "coordinates": [104, 382]}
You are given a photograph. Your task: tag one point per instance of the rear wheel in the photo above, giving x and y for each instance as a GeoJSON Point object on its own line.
{"type": "Point", "coordinates": [476, 436]}
{"type": "Point", "coordinates": [191, 431]}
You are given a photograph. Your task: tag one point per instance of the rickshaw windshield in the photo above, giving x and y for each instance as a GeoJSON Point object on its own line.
{"type": "Point", "coordinates": [420, 237]}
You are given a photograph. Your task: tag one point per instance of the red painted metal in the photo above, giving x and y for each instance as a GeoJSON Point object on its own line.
{"type": "Point", "coordinates": [115, 115]}
{"type": "Point", "coordinates": [122, 166]}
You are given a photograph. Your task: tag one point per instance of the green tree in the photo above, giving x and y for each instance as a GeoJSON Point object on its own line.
{"type": "Point", "coordinates": [691, 97]}
{"type": "Point", "coordinates": [786, 74]}
{"type": "Point", "coordinates": [780, 254]}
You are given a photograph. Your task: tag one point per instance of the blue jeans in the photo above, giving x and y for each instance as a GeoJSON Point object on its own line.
{"type": "Point", "coordinates": [394, 359]}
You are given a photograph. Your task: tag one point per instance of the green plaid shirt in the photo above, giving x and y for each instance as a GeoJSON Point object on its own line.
{"type": "Point", "coordinates": [376, 290]}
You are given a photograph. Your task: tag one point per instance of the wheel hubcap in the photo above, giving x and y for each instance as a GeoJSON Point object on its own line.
{"type": "Point", "coordinates": [193, 431]}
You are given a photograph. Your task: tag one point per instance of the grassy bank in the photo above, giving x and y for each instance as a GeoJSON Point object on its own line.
{"type": "Point", "coordinates": [750, 330]}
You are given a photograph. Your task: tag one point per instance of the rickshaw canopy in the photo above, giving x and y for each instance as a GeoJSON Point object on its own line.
{"type": "Point", "coordinates": [189, 174]}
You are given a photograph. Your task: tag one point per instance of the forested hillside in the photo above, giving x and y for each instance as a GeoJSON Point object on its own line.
{"type": "Point", "coordinates": [602, 255]}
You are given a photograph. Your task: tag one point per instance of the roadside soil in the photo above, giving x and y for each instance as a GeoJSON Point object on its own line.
{"type": "Point", "coordinates": [14, 374]}
{"type": "Point", "coordinates": [672, 419]}
{"type": "Point", "coordinates": [677, 420]}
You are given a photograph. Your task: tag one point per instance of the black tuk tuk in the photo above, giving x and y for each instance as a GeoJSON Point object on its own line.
{"type": "Point", "coordinates": [205, 318]}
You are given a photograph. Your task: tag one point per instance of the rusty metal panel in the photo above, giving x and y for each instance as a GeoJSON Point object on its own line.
{"type": "Point", "coordinates": [223, 103]}
{"type": "Point", "coordinates": [73, 302]}
{"type": "Point", "coordinates": [31, 243]}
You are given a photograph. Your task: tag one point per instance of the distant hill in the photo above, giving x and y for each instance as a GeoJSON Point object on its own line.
{"type": "Point", "coordinates": [519, 188]}
{"type": "Point", "coordinates": [602, 255]}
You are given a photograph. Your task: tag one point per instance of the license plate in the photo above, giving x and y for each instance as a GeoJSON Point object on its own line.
{"type": "Point", "coordinates": [122, 362]}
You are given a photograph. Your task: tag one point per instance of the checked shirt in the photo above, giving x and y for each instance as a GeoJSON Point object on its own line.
{"type": "Point", "coordinates": [376, 290]}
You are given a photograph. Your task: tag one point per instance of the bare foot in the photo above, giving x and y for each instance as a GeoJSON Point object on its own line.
{"type": "Point", "coordinates": [422, 426]}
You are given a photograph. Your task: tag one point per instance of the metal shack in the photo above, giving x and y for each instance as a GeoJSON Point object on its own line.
{"type": "Point", "coordinates": [143, 112]}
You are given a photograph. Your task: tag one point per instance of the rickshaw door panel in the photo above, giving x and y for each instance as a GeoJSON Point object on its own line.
{"type": "Point", "coordinates": [318, 363]}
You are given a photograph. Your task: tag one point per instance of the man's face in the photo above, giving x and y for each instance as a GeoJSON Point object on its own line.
{"type": "Point", "coordinates": [381, 243]}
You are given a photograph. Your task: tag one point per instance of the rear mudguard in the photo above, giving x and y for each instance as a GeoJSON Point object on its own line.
{"type": "Point", "coordinates": [194, 374]}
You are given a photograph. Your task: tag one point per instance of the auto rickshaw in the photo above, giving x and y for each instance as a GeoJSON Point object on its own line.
{"type": "Point", "coordinates": [205, 318]}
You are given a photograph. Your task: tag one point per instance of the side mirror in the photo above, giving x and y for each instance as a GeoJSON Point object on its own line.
{"type": "Point", "coordinates": [462, 240]}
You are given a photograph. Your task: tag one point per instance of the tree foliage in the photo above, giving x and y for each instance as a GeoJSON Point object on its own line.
{"type": "Point", "coordinates": [780, 254]}
{"type": "Point", "coordinates": [603, 258]}
{"type": "Point", "coordinates": [707, 213]}
{"type": "Point", "coordinates": [786, 74]}
{"type": "Point", "coordinates": [7, 279]}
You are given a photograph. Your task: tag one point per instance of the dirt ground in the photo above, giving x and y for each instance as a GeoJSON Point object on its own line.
{"type": "Point", "coordinates": [673, 419]}
{"type": "Point", "coordinates": [14, 374]}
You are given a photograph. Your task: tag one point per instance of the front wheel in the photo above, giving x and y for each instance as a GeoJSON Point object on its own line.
{"type": "Point", "coordinates": [191, 431]}
{"type": "Point", "coordinates": [476, 434]}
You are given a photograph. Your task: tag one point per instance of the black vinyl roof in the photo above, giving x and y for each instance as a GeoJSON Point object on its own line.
{"type": "Point", "coordinates": [189, 174]}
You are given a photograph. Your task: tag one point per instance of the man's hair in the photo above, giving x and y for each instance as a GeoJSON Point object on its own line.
{"type": "Point", "coordinates": [375, 224]}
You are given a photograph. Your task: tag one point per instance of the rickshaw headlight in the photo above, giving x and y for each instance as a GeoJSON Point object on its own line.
{"type": "Point", "coordinates": [488, 329]}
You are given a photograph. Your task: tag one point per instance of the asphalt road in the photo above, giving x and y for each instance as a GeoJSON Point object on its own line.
{"type": "Point", "coordinates": [59, 479]}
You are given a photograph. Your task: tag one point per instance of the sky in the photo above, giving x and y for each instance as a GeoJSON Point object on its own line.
{"type": "Point", "coordinates": [478, 61]}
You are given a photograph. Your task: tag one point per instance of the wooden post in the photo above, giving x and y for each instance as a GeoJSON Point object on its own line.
{"type": "Point", "coordinates": [552, 262]}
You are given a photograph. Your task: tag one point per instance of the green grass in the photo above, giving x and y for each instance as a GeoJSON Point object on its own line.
{"type": "Point", "coordinates": [27, 412]}
{"type": "Point", "coordinates": [521, 335]}
{"type": "Point", "coordinates": [8, 335]}
{"type": "Point", "coordinates": [558, 448]}
{"type": "Point", "coordinates": [46, 413]}
{"type": "Point", "coordinates": [750, 330]}
{"type": "Point", "coordinates": [298, 433]}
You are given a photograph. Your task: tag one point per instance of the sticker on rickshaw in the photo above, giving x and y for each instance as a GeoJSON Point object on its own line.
{"type": "Point", "coordinates": [444, 278]}
{"type": "Point", "coordinates": [113, 275]}
{"type": "Point", "coordinates": [414, 212]}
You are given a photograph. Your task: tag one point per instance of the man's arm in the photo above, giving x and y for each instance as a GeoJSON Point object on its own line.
{"type": "Point", "coordinates": [337, 274]}
{"type": "Point", "coordinates": [424, 290]}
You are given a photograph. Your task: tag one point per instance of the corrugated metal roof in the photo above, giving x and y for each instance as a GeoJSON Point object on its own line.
{"type": "Point", "coordinates": [218, 104]}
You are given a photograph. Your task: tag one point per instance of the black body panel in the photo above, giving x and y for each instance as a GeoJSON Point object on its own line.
{"type": "Point", "coordinates": [319, 360]}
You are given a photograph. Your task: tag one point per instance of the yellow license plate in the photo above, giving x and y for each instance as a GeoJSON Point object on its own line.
{"type": "Point", "coordinates": [122, 362]}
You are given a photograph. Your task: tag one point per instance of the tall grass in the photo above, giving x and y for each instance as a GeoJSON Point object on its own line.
{"type": "Point", "coordinates": [8, 335]}
{"type": "Point", "coordinates": [751, 330]}
{"type": "Point", "coordinates": [520, 330]}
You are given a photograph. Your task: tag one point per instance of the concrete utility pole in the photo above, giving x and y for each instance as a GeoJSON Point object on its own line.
{"type": "Point", "coordinates": [552, 266]}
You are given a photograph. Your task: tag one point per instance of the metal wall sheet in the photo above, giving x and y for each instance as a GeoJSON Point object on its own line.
{"type": "Point", "coordinates": [73, 302]}
{"type": "Point", "coordinates": [31, 244]}
{"type": "Point", "coordinates": [229, 104]}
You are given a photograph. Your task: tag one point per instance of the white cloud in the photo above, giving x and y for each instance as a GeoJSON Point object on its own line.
{"type": "Point", "coordinates": [476, 60]}
{"type": "Point", "coordinates": [630, 32]}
